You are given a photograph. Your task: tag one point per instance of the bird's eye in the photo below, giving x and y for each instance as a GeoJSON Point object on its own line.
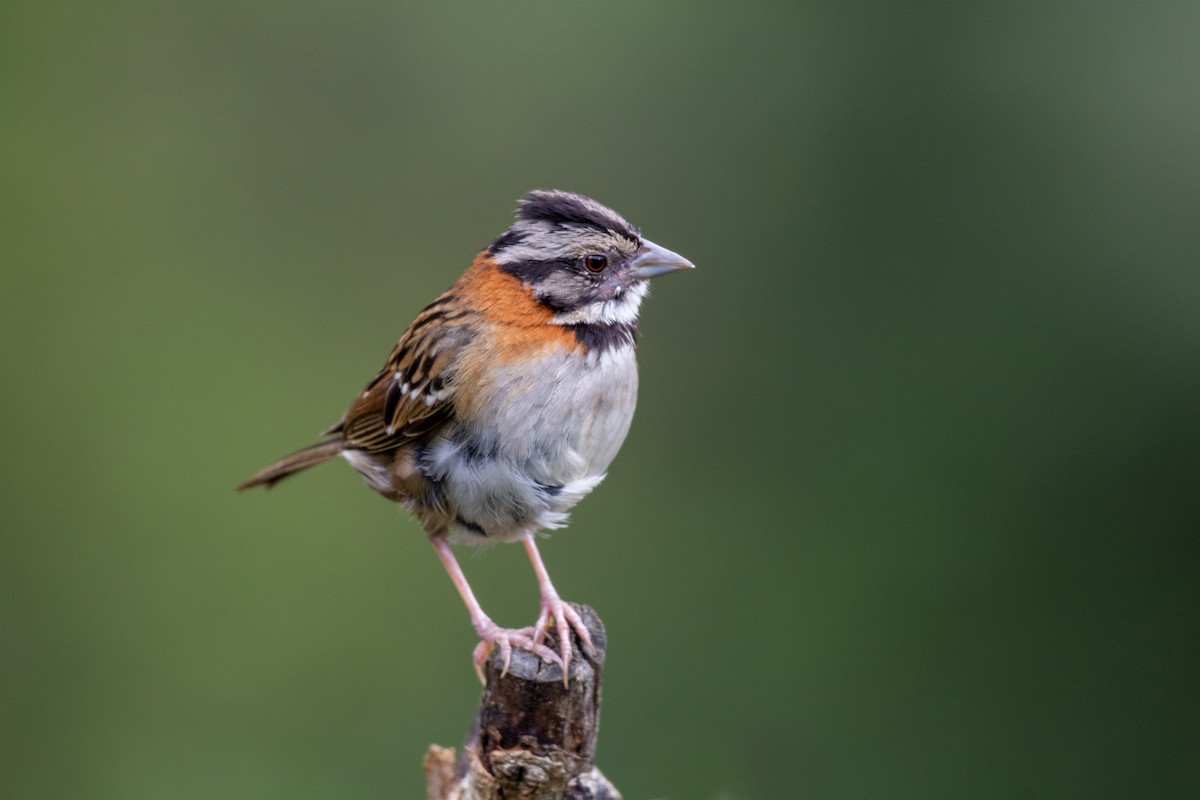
{"type": "Point", "coordinates": [596, 263]}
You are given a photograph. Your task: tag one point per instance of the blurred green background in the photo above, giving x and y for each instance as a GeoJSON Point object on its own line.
{"type": "Point", "coordinates": [910, 506]}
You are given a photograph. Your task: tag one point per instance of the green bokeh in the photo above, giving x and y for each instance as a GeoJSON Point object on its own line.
{"type": "Point", "coordinates": [910, 506]}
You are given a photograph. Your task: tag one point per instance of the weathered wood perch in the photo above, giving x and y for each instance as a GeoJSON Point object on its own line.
{"type": "Point", "coordinates": [533, 737]}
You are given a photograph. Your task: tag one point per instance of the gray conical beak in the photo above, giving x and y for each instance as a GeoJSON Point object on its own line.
{"type": "Point", "coordinates": [653, 260]}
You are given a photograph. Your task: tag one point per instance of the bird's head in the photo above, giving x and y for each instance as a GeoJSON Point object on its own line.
{"type": "Point", "coordinates": [581, 259]}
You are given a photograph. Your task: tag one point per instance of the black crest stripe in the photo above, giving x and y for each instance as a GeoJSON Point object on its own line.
{"type": "Point", "coordinates": [564, 208]}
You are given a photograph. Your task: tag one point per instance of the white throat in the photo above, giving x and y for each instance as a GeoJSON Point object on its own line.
{"type": "Point", "coordinates": [619, 310]}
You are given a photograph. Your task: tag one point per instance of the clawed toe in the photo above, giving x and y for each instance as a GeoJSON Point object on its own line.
{"type": "Point", "coordinates": [493, 636]}
{"type": "Point", "coordinates": [564, 618]}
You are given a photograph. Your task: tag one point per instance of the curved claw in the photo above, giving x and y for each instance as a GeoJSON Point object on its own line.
{"type": "Point", "coordinates": [479, 657]}
{"type": "Point", "coordinates": [560, 614]}
{"type": "Point", "coordinates": [492, 635]}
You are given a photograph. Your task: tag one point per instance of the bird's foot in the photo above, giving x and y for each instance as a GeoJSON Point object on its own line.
{"type": "Point", "coordinates": [560, 614]}
{"type": "Point", "coordinates": [493, 636]}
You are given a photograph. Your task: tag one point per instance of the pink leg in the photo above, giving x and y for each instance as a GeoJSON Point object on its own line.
{"type": "Point", "coordinates": [555, 611]}
{"type": "Point", "coordinates": [490, 633]}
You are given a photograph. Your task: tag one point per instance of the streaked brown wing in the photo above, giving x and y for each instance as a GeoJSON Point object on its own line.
{"type": "Point", "coordinates": [411, 395]}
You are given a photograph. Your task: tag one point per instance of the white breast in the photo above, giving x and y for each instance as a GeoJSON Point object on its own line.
{"type": "Point", "coordinates": [542, 441]}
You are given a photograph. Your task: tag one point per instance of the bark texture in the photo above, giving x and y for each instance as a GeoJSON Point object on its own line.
{"type": "Point", "coordinates": [534, 737]}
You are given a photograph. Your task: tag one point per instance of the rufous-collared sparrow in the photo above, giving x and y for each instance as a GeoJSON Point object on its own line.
{"type": "Point", "coordinates": [508, 397]}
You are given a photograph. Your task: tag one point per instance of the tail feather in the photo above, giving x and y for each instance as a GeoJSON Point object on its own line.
{"type": "Point", "coordinates": [300, 460]}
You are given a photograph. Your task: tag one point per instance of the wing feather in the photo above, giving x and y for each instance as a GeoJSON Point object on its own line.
{"type": "Point", "coordinates": [412, 395]}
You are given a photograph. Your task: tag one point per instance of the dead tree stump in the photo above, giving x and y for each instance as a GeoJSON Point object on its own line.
{"type": "Point", "coordinates": [533, 737]}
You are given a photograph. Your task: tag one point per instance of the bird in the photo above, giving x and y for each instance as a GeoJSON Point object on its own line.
{"type": "Point", "coordinates": [507, 398]}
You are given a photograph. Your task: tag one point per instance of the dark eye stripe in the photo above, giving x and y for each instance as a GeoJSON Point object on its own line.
{"type": "Point", "coordinates": [533, 272]}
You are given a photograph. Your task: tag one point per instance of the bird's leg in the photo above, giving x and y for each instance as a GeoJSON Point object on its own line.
{"type": "Point", "coordinates": [489, 632]}
{"type": "Point", "coordinates": [556, 611]}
